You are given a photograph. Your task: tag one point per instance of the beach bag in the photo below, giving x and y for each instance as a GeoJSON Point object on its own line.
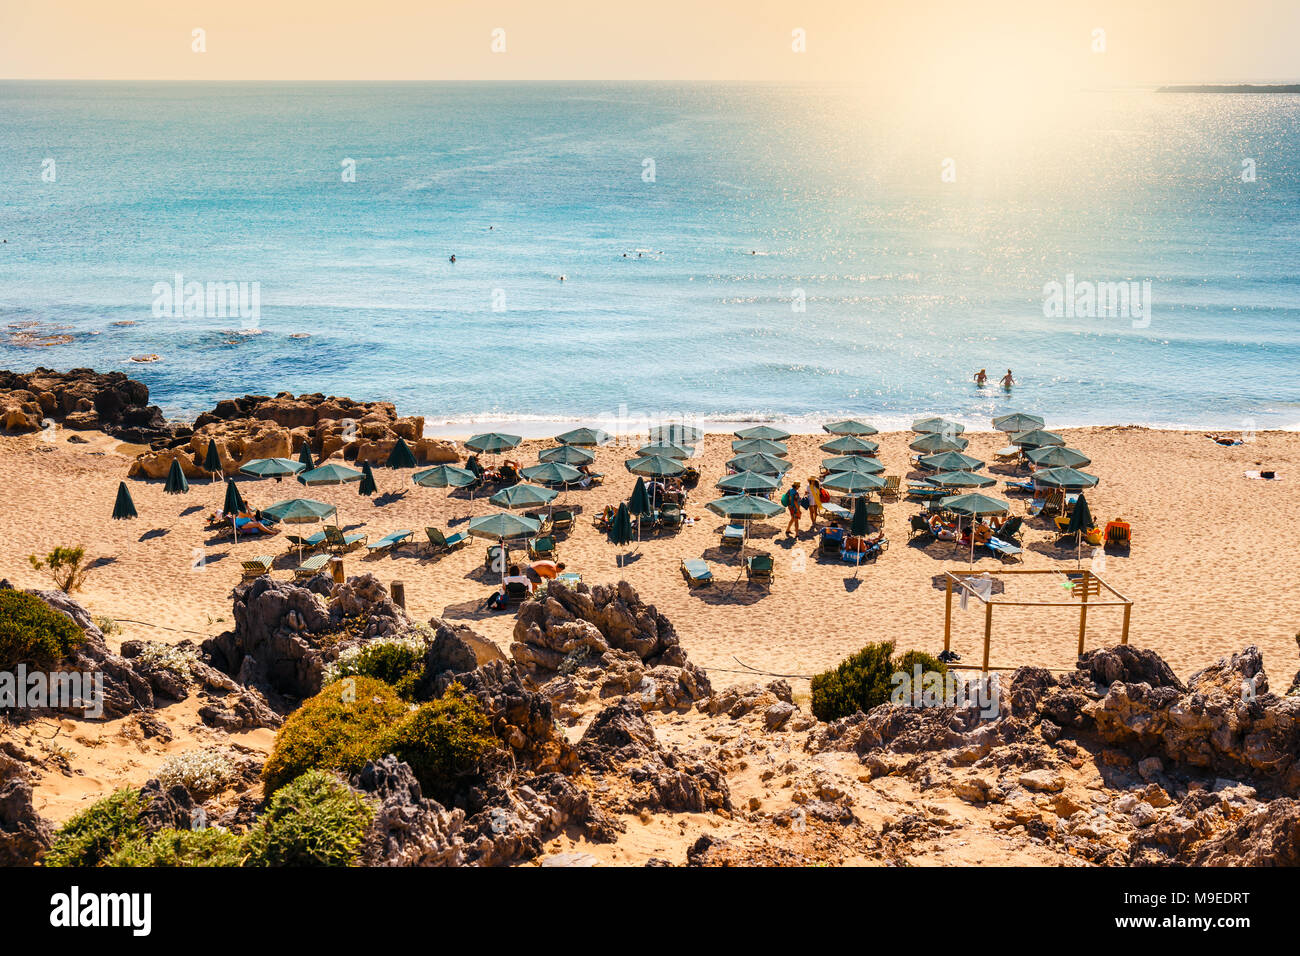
{"type": "Point", "coordinates": [787, 497]}
{"type": "Point", "coordinates": [824, 495]}
{"type": "Point", "coordinates": [805, 502]}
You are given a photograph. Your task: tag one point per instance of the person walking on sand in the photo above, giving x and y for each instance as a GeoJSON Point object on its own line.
{"type": "Point", "coordinates": [814, 502]}
{"type": "Point", "coordinates": [981, 377]}
{"type": "Point", "coordinates": [1007, 380]}
{"type": "Point", "coordinates": [791, 501]}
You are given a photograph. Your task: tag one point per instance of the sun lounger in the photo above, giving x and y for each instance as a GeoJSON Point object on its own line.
{"type": "Point", "coordinates": [696, 572]}
{"type": "Point", "coordinates": [517, 593]}
{"type": "Point", "coordinates": [390, 540]}
{"type": "Point", "coordinates": [542, 546]}
{"type": "Point", "coordinates": [1004, 549]}
{"type": "Point", "coordinates": [561, 520]}
{"type": "Point", "coordinates": [569, 578]}
{"type": "Point", "coordinates": [259, 566]}
{"type": "Point", "coordinates": [1006, 455]}
{"type": "Point", "coordinates": [1026, 486]}
{"type": "Point", "coordinates": [309, 543]}
{"type": "Point", "coordinates": [837, 512]}
{"type": "Point", "coordinates": [311, 567]}
{"type": "Point", "coordinates": [670, 516]}
{"type": "Point", "coordinates": [439, 542]}
{"type": "Point", "coordinates": [733, 536]}
{"type": "Point", "coordinates": [1118, 535]}
{"type": "Point", "coordinates": [920, 525]}
{"type": "Point", "coordinates": [856, 550]}
{"type": "Point", "coordinates": [831, 542]}
{"type": "Point", "coordinates": [891, 487]}
{"type": "Point", "coordinates": [918, 490]}
{"type": "Point", "coordinates": [338, 542]}
{"type": "Point", "coordinates": [758, 569]}
{"type": "Point", "coordinates": [497, 558]}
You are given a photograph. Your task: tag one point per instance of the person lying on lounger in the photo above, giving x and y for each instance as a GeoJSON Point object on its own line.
{"type": "Point", "coordinates": [941, 531]}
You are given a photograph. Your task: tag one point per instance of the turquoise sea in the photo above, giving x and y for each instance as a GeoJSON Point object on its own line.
{"type": "Point", "coordinates": [690, 223]}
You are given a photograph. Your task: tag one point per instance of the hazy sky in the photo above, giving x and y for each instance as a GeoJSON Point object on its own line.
{"type": "Point", "coordinates": [931, 41]}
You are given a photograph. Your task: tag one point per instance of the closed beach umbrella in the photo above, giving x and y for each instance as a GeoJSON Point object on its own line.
{"type": "Point", "coordinates": [932, 443]}
{"type": "Point", "coordinates": [852, 482]}
{"type": "Point", "coordinates": [850, 445]}
{"type": "Point", "coordinates": [860, 522]}
{"type": "Point", "coordinates": [1058, 456]}
{"type": "Point", "coordinates": [401, 456]}
{"type": "Point", "coordinates": [567, 455]}
{"type": "Point", "coordinates": [745, 482]}
{"type": "Point", "coordinates": [961, 479]}
{"type": "Point", "coordinates": [951, 461]}
{"type": "Point", "coordinates": [1017, 422]}
{"type": "Point", "coordinates": [666, 449]}
{"type": "Point", "coordinates": [620, 529]}
{"type": "Point", "coordinates": [676, 431]}
{"type": "Point", "coordinates": [974, 505]}
{"type": "Point", "coordinates": [124, 507]}
{"type": "Point", "coordinates": [503, 527]}
{"type": "Point", "coordinates": [492, 443]}
{"type": "Point", "coordinates": [304, 456]}
{"type": "Point", "coordinates": [654, 466]}
{"type": "Point", "coordinates": [763, 431]}
{"type": "Point", "coordinates": [176, 483]}
{"type": "Point", "coordinates": [759, 462]}
{"type": "Point", "coordinates": [1037, 438]}
{"type": "Point", "coordinates": [444, 476]}
{"type": "Point", "coordinates": [552, 473]}
{"type": "Point", "coordinates": [859, 463]}
{"type": "Point", "coordinates": [331, 474]}
{"type": "Point", "coordinates": [639, 503]}
{"type": "Point", "coordinates": [367, 486]}
{"type": "Point", "coordinates": [1080, 524]}
{"type": "Point", "coordinates": [850, 426]}
{"type": "Point", "coordinates": [760, 446]}
{"type": "Point", "coordinates": [937, 426]}
{"type": "Point", "coordinates": [212, 461]}
{"type": "Point", "coordinates": [275, 468]}
{"type": "Point", "coordinates": [234, 500]}
{"type": "Point", "coordinates": [589, 437]}
{"type": "Point", "coordinates": [1065, 478]}
{"type": "Point", "coordinates": [523, 495]}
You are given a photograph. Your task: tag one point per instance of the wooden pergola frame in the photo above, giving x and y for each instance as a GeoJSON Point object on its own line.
{"type": "Point", "coordinates": [1089, 584]}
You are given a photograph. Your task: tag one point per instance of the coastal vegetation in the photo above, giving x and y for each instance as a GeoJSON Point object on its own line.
{"type": "Point", "coordinates": [865, 680]}
{"type": "Point", "coordinates": [32, 632]}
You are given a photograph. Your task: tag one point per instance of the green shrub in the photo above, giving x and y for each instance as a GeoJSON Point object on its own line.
{"type": "Point", "coordinates": [338, 729]}
{"type": "Point", "coordinates": [206, 847]}
{"type": "Point", "coordinates": [99, 831]}
{"type": "Point", "coordinates": [397, 660]}
{"type": "Point", "coordinates": [865, 680]}
{"type": "Point", "coordinates": [33, 633]}
{"type": "Point", "coordinates": [442, 741]}
{"type": "Point", "coordinates": [315, 821]}
{"type": "Point", "coordinates": [65, 565]}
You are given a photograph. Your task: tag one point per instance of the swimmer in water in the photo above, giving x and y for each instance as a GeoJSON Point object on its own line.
{"type": "Point", "coordinates": [453, 259]}
{"type": "Point", "coordinates": [981, 377]}
{"type": "Point", "coordinates": [1007, 380]}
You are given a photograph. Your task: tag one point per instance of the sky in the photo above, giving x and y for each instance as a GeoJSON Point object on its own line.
{"type": "Point", "coordinates": [934, 42]}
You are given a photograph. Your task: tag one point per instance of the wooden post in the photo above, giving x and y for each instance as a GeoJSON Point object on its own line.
{"type": "Point", "coordinates": [336, 569]}
{"type": "Point", "coordinates": [398, 592]}
{"type": "Point", "coordinates": [947, 619]}
{"type": "Point", "coordinates": [988, 633]}
{"type": "Point", "coordinates": [1123, 636]}
{"type": "Point", "coordinates": [1083, 609]}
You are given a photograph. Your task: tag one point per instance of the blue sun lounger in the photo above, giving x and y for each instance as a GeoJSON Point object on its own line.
{"type": "Point", "coordinates": [390, 540]}
{"type": "Point", "coordinates": [696, 572]}
{"type": "Point", "coordinates": [1004, 549]}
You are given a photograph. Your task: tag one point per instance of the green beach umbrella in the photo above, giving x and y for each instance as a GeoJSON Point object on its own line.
{"type": "Point", "coordinates": [212, 461]}
{"type": "Point", "coordinates": [760, 446]}
{"type": "Point", "coordinates": [666, 449]}
{"type": "Point", "coordinates": [932, 443]}
{"type": "Point", "coordinates": [961, 479]}
{"type": "Point", "coordinates": [763, 431]}
{"type": "Point", "coordinates": [331, 474]}
{"type": "Point", "coordinates": [850, 445]}
{"type": "Point", "coordinates": [1037, 438]}
{"type": "Point", "coordinates": [745, 482]}
{"type": "Point", "coordinates": [951, 461]}
{"type": "Point", "coordinates": [176, 483]}
{"type": "Point", "coordinates": [937, 426]}
{"type": "Point", "coordinates": [444, 476]}
{"type": "Point", "coordinates": [761, 463]}
{"type": "Point", "coordinates": [1017, 422]}
{"type": "Point", "coordinates": [620, 529]}
{"type": "Point", "coordinates": [1058, 456]}
{"type": "Point", "coordinates": [852, 482]}
{"type": "Point", "coordinates": [401, 456]}
{"type": "Point", "coordinates": [859, 463]}
{"type": "Point", "coordinates": [492, 443]}
{"type": "Point", "coordinates": [744, 507]}
{"type": "Point", "coordinates": [275, 468]}
{"type": "Point", "coordinates": [1080, 524]}
{"type": "Point", "coordinates": [300, 510]}
{"type": "Point", "coordinates": [523, 495]}
{"type": "Point", "coordinates": [367, 486]}
{"type": "Point", "coordinates": [583, 436]}
{"type": "Point", "coordinates": [676, 432]}
{"type": "Point", "coordinates": [567, 455]}
{"type": "Point", "coordinates": [552, 473]}
{"type": "Point", "coordinates": [502, 527]}
{"type": "Point", "coordinates": [974, 505]}
{"type": "Point", "coordinates": [639, 504]}
{"type": "Point", "coordinates": [234, 500]}
{"type": "Point", "coordinates": [859, 524]}
{"type": "Point", "coordinates": [654, 466]}
{"type": "Point", "coordinates": [304, 456]}
{"type": "Point", "coordinates": [124, 507]}
{"type": "Point", "coordinates": [1065, 478]}
{"type": "Point", "coordinates": [850, 426]}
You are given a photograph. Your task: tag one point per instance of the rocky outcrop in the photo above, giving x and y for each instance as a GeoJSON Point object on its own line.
{"type": "Point", "coordinates": [262, 426]}
{"type": "Point", "coordinates": [83, 399]}
{"type": "Point", "coordinates": [590, 642]}
{"type": "Point", "coordinates": [24, 834]}
{"type": "Point", "coordinates": [408, 830]}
